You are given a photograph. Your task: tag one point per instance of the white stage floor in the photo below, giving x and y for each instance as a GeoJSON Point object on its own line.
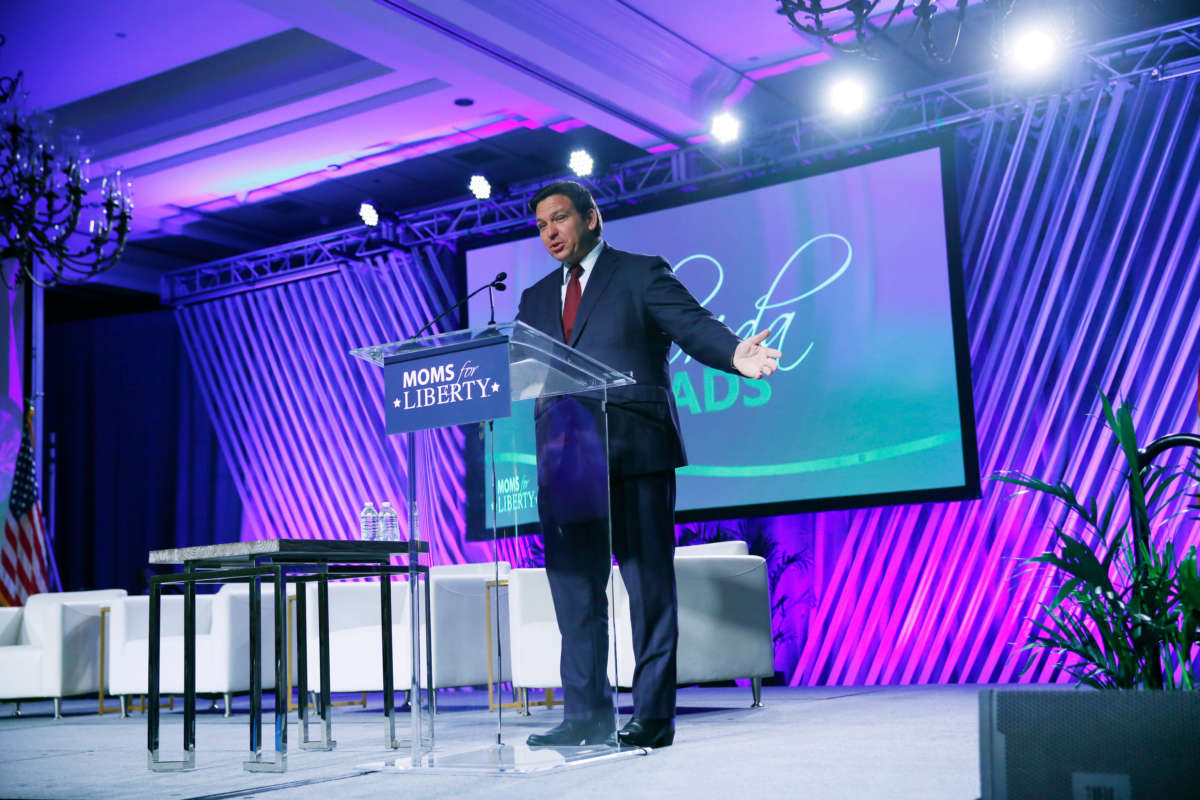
{"type": "Point", "coordinates": [892, 743]}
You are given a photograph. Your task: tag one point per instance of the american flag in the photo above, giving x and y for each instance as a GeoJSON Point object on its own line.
{"type": "Point", "coordinates": [24, 566]}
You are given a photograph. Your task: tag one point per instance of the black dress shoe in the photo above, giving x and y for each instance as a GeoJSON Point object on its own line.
{"type": "Point", "coordinates": [573, 733]}
{"type": "Point", "coordinates": [646, 733]}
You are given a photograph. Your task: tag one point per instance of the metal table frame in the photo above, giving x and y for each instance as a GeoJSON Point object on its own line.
{"type": "Point", "coordinates": [279, 560]}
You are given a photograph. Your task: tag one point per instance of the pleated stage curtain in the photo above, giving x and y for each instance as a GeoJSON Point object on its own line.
{"type": "Point", "coordinates": [301, 421]}
{"type": "Point", "coordinates": [1082, 259]}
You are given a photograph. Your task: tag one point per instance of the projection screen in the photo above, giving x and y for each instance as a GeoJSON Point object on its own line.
{"type": "Point", "coordinates": [856, 271]}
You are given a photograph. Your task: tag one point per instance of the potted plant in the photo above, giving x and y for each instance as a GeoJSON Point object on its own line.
{"type": "Point", "coordinates": [1128, 613]}
{"type": "Point", "coordinates": [1126, 616]}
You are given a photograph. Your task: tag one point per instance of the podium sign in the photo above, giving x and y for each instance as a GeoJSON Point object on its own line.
{"type": "Point", "coordinates": [452, 385]}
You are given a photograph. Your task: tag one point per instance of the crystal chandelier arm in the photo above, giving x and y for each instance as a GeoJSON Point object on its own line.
{"type": "Point", "coordinates": [860, 22]}
{"type": "Point", "coordinates": [870, 21]}
{"type": "Point", "coordinates": [63, 228]}
{"type": "Point", "coordinates": [924, 11]}
{"type": "Point", "coordinates": [92, 259]}
{"type": "Point", "coordinates": [900, 6]}
{"type": "Point", "coordinates": [816, 13]}
{"type": "Point", "coordinates": [879, 31]}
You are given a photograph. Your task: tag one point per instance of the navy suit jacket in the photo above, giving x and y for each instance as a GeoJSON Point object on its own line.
{"type": "Point", "coordinates": [632, 309]}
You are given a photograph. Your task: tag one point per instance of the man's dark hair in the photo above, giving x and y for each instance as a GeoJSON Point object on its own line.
{"type": "Point", "coordinates": [577, 193]}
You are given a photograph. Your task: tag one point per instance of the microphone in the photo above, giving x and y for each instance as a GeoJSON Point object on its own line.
{"type": "Point", "coordinates": [497, 283]}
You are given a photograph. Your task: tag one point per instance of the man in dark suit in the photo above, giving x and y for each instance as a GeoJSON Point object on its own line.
{"type": "Point", "coordinates": [624, 309]}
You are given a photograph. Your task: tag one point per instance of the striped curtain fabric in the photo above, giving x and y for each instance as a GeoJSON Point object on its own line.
{"type": "Point", "coordinates": [1082, 258]}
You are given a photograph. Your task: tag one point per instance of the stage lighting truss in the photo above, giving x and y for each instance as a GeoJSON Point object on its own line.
{"type": "Point", "coordinates": [1163, 53]}
{"type": "Point", "coordinates": [307, 258]}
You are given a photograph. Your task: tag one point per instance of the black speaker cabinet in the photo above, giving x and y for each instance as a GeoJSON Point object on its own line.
{"type": "Point", "coordinates": [1050, 744]}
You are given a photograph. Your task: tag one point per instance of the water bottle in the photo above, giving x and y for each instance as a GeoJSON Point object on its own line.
{"type": "Point", "coordinates": [368, 523]}
{"type": "Point", "coordinates": [389, 523]}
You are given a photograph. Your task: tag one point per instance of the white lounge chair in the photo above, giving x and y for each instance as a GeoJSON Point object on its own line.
{"type": "Point", "coordinates": [50, 647]}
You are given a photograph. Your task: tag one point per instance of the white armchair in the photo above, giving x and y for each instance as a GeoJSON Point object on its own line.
{"type": "Point", "coordinates": [457, 616]}
{"type": "Point", "coordinates": [724, 621]}
{"type": "Point", "coordinates": [222, 644]}
{"type": "Point", "coordinates": [536, 642]}
{"type": "Point", "coordinates": [724, 617]}
{"type": "Point", "coordinates": [50, 647]}
{"type": "Point", "coordinates": [458, 603]}
{"type": "Point", "coordinates": [533, 630]}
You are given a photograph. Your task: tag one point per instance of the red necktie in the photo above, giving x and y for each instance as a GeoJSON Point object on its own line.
{"type": "Point", "coordinates": [571, 303]}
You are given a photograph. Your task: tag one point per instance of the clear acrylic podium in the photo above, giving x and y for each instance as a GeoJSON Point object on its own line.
{"type": "Point", "coordinates": [534, 414]}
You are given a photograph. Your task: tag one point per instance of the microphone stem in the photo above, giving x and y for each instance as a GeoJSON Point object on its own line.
{"type": "Point", "coordinates": [459, 304]}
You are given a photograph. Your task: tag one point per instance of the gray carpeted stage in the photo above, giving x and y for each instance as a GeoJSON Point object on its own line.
{"type": "Point", "coordinates": [917, 742]}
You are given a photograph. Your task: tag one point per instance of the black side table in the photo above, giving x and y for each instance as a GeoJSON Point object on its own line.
{"type": "Point", "coordinates": [281, 560]}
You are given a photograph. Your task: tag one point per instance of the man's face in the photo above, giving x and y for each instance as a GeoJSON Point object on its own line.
{"type": "Point", "coordinates": [567, 235]}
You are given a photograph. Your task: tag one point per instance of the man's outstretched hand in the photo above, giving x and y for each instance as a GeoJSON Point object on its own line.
{"type": "Point", "coordinates": [754, 360]}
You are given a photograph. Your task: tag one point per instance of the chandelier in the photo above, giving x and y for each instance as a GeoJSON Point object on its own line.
{"type": "Point", "coordinates": [854, 26]}
{"type": "Point", "coordinates": [51, 231]}
{"type": "Point", "coordinates": [858, 26]}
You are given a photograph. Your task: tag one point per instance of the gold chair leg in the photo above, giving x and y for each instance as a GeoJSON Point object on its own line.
{"type": "Point", "coordinates": [101, 709]}
{"type": "Point", "coordinates": [291, 610]}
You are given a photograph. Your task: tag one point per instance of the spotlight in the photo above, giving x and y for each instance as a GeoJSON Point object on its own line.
{"type": "Point", "coordinates": [480, 187]}
{"type": "Point", "coordinates": [581, 163]}
{"type": "Point", "coordinates": [848, 97]}
{"type": "Point", "coordinates": [725, 127]}
{"type": "Point", "coordinates": [368, 214]}
{"type": "Point", "coordinates": [1033, 50]}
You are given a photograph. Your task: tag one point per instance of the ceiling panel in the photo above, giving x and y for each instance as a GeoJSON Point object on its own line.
{"type": "Point", "coordinates": [90, 47]}
{"type": "Point", "coordinates": [246, 80]}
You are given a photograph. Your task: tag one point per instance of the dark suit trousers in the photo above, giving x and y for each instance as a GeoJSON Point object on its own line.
{"type": "Point", "coordinates": [577, 562]}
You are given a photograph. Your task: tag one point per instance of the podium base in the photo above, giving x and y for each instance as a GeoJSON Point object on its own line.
{"type": "Point", "coordinates": [508, 759]}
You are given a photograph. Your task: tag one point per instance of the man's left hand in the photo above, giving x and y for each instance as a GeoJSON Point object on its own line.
{"type": "Point", "coordinates": [754, 360]}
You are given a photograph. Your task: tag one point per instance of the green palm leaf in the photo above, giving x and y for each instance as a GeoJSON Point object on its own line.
{"type": "Point", "coordinates": [1125, 614]}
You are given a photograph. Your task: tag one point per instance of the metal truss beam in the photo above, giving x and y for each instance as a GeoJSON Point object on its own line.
{"type": "Point", "coordinates": [1161, 53]}
{"type": "Point", "coordinates": [303, 259]}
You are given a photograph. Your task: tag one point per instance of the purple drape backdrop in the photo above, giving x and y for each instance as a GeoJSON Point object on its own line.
{"type": "Point", "coordinates": [299, 419]}
{"type": "Point", "coordinates": [1082, 260]}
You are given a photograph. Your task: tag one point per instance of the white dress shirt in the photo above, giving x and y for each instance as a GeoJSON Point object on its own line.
{"type": "Point", "coordinates": [587, 263]}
